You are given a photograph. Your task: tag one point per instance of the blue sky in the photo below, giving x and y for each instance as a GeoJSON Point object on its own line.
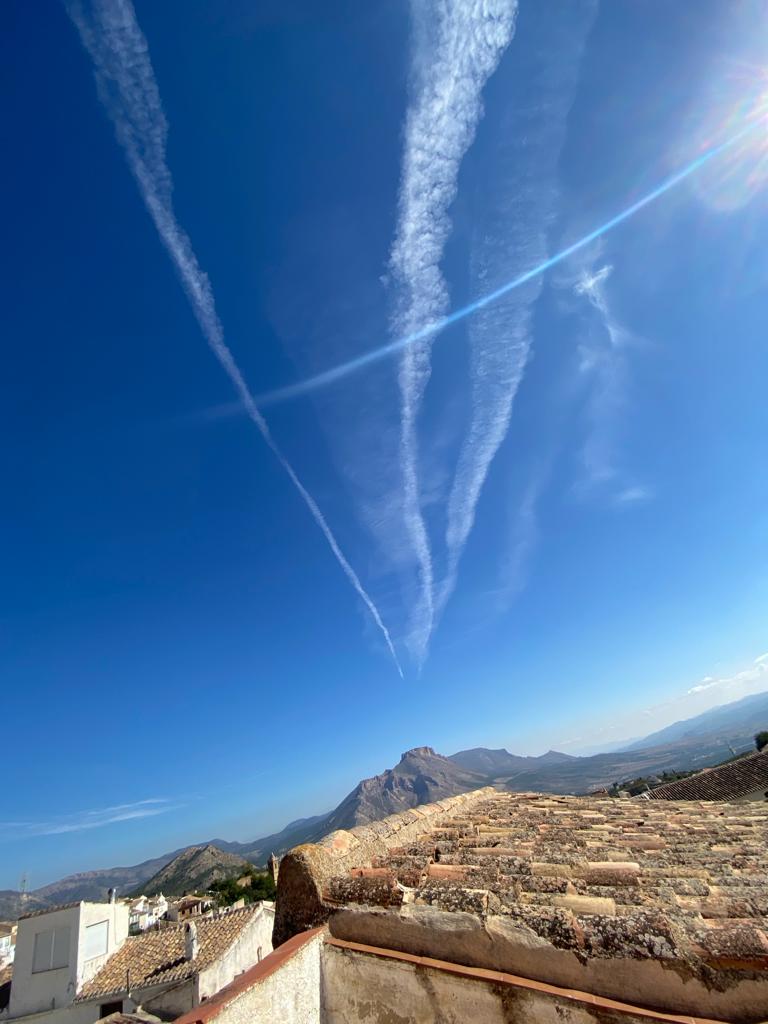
{"type": "Point", "coordinates": [538, 526]}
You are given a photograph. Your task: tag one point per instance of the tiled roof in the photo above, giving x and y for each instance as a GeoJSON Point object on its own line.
{"type": "Point", "coordinates": [725, 782]}
{"type": "Point", "coordinates": [154, 958]}
{"type": "Point", "coordinates": [600, 877]}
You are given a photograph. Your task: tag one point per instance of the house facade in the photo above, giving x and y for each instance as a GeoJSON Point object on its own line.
{"type": "Point", "coordinates": [58, 951]}
{"type": "Point", "coordinates": [78, 964]}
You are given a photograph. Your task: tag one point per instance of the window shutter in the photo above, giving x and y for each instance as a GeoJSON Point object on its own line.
{"type": "Point", "coordinates": [41, 957]}
{"type": "Point", "coordinates": [96, 940]}
{"type": "Point", "coordinates": [60, 955]}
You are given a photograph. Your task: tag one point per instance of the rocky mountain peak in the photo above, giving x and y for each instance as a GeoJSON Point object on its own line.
{"type": "Point", "coordinates": [418, 752]}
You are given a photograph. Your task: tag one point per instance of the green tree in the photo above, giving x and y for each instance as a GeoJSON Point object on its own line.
{"type": "Point", "coordinates": [253, 886]}
{"type": "Point", "coordinates": [761, 740]}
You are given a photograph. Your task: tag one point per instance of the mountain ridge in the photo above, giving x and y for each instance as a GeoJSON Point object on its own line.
{"type": "Point", "coordinates": [422, 775]}
{"type": "Point", "coordinates": [196, 867]}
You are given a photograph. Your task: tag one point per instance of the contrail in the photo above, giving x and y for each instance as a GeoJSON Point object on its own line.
{"type": "Point", "coordinates": [338, 373]}
{"type": "Point", "coordinates": [457, 46]}
{"type": "Point", "coordinates": [510, 234]}
{"type": "Point", "coordinates": [128, 90]}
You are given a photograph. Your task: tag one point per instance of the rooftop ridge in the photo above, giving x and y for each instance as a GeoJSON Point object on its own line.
{"type": "Point", "coordinates": [387, 829]}
{"type": "Point", "coordinates": [305, 869]}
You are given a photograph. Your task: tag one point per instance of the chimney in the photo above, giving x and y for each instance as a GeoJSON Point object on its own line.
{"type": "Point", "coordinates": [112, 895]}
{"type": "Point", "coordinates": [191, 945]}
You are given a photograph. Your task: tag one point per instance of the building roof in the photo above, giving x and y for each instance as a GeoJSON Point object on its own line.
{"type": "Point", "coordinates": [724, 782]}
{"type": "Point", "coordinates": [537, 885]}
{"type": "Point", "coordinates": [155, 958]}
{"type": "Point", "coordinates": [50, 910]}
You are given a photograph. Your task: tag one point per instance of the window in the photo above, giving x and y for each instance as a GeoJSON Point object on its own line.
{"type": "Point", "coordinates": [51, 949]}
{"type": "Point", "coordinates": [96, 940]}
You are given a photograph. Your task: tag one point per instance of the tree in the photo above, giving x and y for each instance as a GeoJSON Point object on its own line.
{"type": "Point", "coordinates": [761, 740]}
{"type": "Point", "coordinates": [253, 886]}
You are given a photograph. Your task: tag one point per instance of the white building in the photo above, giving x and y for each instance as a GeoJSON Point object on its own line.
{"type": "Point", "coordinates": [58, 951]}
{"type": "Point", "coordinates": [77, 964]}
{"type": "Point", "coordinates": [7, 943]}
{"type": "Point", "coordinates": [146, 911]}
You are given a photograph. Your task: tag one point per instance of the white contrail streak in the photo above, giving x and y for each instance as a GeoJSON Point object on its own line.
{"type": "Point", "coordinates": [128, 90]}
{"type": "Point", "coordinates": [511, 232]}
{"type": "Point", "coordinates": [457, 46]}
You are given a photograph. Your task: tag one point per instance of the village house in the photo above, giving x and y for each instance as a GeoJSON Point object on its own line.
{"type": "Point", "coordinates": [77, 964]}
{"type": "Point", "coordinates": [189, 906]}
{"type": "Point", "coordinates": [7, 943]}
{"type": "Point", "coordinates": [496, 907]}
{"type": "Point", "coordinates": [146, 911]}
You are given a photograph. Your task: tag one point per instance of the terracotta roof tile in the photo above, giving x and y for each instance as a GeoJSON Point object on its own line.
{"type": "Point", "coordinates": [154, 958]}
{"type": "Point", "coordinates": [725, 782]}
{"type": "Point", "coordinates": [602, 876]}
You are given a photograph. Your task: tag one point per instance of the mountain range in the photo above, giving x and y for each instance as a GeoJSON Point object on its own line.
{"type": "Point", "coordinates": [422, 776]}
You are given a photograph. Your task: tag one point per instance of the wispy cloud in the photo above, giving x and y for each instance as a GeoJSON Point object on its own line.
{"type": "Point", "coordinates": [754, 677]}
{"type": "Point", "coordinates": [603, 354]}
{"type": "Point", "coordinates": [83, 821]}
{"type": "Point", "coordinates": [513, 218]}
{"type": "Point", "coordinates": [128, 90]}
{"type": "Point", "coordinates": [632, 495]}
{"type": "Point", "coordinates": [457, 46]}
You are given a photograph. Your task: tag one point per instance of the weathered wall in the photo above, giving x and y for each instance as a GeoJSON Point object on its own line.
{"type": "Point", "coordinates": [498, 944]}
{"type": "Point", "coordinates": [306, 869]}
{"type": "Point", "coordinates": [284, 987]}
{"type": "Point", "coordinates": [255, 938]}
{"type": "Point", "coordinates": [75, 1013]}
{"type": "Point", "coordinates": [117, 916]}
{"type": "Point", "coordinates": [365, 987]}
{"type": "Point", "coordinates": [166, 1003]}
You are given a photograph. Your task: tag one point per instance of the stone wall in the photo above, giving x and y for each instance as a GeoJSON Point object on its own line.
{"type": "Point", "coordinates": [495, 943]}
{"type": "Point", "coordinates": [284, 987]}
{"type": "Point", "coordinates": [380, 987]}
{"type": "Point", "coordinates": [314, 979]}
{"type": "Point", "coordinates": [305, 870]}
{"type": "Point", "coordinates": [252, 944]}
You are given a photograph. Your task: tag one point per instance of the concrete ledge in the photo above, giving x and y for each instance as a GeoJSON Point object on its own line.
{"type": "Point", "coordinates": [480, 974]}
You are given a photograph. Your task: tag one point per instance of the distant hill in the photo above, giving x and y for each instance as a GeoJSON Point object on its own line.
{"type": "Point", "coordinates": [734, 723]}
{"type": "Point", "coordinates": [498, 763]}
{"type": "Point", "coordinates": [303, 830]}
{"type": "Point", "coordinates": [195, 869]}
{"type": "Point", "coordinates": [87, 885]}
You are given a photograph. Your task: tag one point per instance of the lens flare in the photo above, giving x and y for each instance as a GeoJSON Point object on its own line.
{"type": "Point", "coordinates": [733, 146]}
{"type": "Point", "coordinates": [733, 182]}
